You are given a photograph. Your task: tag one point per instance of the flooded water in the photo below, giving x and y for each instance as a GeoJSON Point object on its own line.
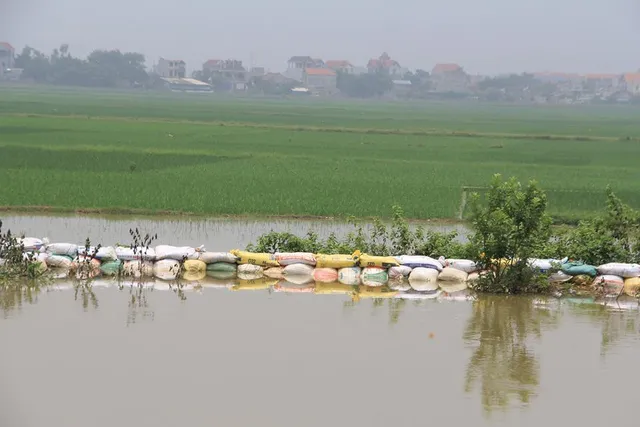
{"type": "Point", "coordinates": [243, 354]}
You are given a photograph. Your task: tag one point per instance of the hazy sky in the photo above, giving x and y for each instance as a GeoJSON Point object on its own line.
{"type": "Point", "coordinates": [484, 36]}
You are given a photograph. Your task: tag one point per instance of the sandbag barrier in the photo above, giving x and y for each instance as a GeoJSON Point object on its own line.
{"type": "Point", "coordinates": [376, 276]}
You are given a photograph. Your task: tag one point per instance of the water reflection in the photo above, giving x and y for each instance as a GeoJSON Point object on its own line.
{"type": "Point", "coordinates": [503, 365]}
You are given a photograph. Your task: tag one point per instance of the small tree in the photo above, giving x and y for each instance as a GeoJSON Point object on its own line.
{"type": "Point", "coordinates": [510, 226]}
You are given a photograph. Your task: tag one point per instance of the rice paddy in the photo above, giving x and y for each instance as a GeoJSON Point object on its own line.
{"type": "Point", "coordinates": [111, 151]}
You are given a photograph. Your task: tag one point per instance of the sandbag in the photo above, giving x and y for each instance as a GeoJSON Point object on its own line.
{"type": "Point", "coordinates": [620, 269]}
{"type": "Point", "coordinates": [85, 267]}
{"type": "Point", "coordinates": [105, 253]}
{"type": "Point", "coordinates": [126, 253]}
{"type": "Point", "coordinates": [221, 275]}
{"type": "Point", "coordinates": [177, 253]}
{"type": "Point", "coordinates": [264, 260]}
{"type": "Point", "coordinates": [325, 275]}
{"type": "Point", "coordinates": [298, 270]}
{"type": "Point", "coordinates": [194, 265]}
{"type": "Point", "coordinates": [424, 279]}
{"type": "Point", "coordinates": [632, 286]}
{"type": "Point", "coordinates": [274, 272]}
{"type": "Point", "coordinates": [465, 265]}
{"type": "Point", "coordinates": [374, 276]}
{"type": "Point", "coordinates": [37, 258]}
{"type": "Point", "coordinates": [399, 272]}
{"type": "Point", "coordinates": [349, 276]}
{"type": "Point", "coordinates": [222, 266]}
{"type": "Point", "coordinates": [137, 269]}
{"type": "Point", "coordinates": [576, 268]}
{"type": "Point", "coordinates": [337, 261]}
{"type": "Point", "coordinates": [250, 269]}
{"type": "Point", "coordinates": [31, 243]}
{"type": "Point", "coordinates": [59, 261]}
{"type": "Point", "coordinates": [194, 275]}
{"type": "Point", "coordinates": [419, 261]}
{"type": "Point", "coordinates": [559, 277]}
{"type": "Point", "coordinates": [542, 265]}
{"type": "Point", "coordinates": [332, 288]}
{"type": "Point", "coordinates": [111, 268]}
{"type": "Point", "coordinates": [377, 261]}
{"type": "Point", "coordinates": [66, 249]}
{"type": "Point", "coordinates": [450, 274]}
{"type": "Point", "coordinates": [288, 258]}
{"type": "Point", "coordinates": [612, 284]}
{"type": "Point", "coordinates": [217, 257]}
{"type": "Point", "coordinates": [166, 269]}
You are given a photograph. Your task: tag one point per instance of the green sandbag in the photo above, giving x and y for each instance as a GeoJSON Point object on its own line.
{"type": "Point", "coordinates": [221, 275]}
{"type": "Point", "coordinates": [576, 268]}
{"type": "Point", "coordinates": [222, 267]}
{"type": "Point", "coordinates": [111, 268]}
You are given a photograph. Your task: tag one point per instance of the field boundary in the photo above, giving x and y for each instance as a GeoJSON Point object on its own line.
{"type": "Point", "coordinates": [334, 129]}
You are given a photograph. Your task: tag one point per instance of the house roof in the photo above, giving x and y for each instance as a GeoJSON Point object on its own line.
{"type": "Point", "coordinates": [632, 77]}
{"type": "Point", "coordinates": [445, 68]}
{"type": "Point", "coordinates": [7, 46]}
{"type": "Point", "coordinates": [212, 62]}
{"type": "Point", "coordinates": [338, 63]}
{"type": "Point", "coordinates": [320, 72]}
{"type": "Point", "coordinates": [601, 76]}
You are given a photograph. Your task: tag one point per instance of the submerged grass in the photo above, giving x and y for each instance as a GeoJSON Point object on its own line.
{"type": "Point", "coordinates": [288, 161]}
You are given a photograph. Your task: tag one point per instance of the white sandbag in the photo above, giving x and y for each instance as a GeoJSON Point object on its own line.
{"type": "Point", "coordinates": [465, 265]}
{"type": "Point", "coordinates": [178, 253]}
{"type": "Point", "coordinates": [288, 258]}
{"type": "Point", "coordinates": [31, 243]}
{"type": "Point", "coordinates": [59, 261]}
{"type": "Point", "coordinates": [559, 277]}
{"type": "Point", "coordinates": [137, 269]}
{"type": "Point", "coordinates": [424, 279]}
{"type": "Point", "coordinates": [450, 274]}
{"type": "Point", "coordinates": [542, 265]}
{"type": "Point", "coordinates": [274, 273]}
{"type": "Point", "coordinates": [105, 253]}
{"type": "Point", "coordinates": [126, 253]}
{"type": "Point", "coordinates": [612, 284]}
{"type": "Point", "coordinates": [250, 269]}
{"type": "Point", "coordinates": [298, 279]}
{"type": "Point", "coordinates": [374, 276]}
{"type": "Point", "coordinates": [298, 270]}
{"type": "Point", "coordinates": [399, 272]}
{"type": "Point", "coordinates": [418, 261]}
{"type": "Point", "coordinates": [620, 269]}
{"type": "Point", "coordinates": [349, 276]}
{"type": "Point", "coordinates": [473, 277]}
{"type": "Point", "coordinates": [68, 249]}
{"type": "Point", "coordinates": [216, 257]}
{"type": "Point", "coordinates": [166, 269]}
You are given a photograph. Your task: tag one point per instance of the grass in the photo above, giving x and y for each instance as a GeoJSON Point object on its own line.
{"type": "Point", "coordinates": [211, 155]}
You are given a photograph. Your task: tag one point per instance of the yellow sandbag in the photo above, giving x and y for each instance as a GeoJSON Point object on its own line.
{"type": "Point", "coordinates": [194, 266]}
{"type": "Point", "coordinates": [264, 260]}
{"type": "Point", "coordinates": [333, 288]}
{"type": "Point", "coordinates": [632, 286]}
{"type": "Point", "coordinates": [337, 261]}
{"type": "Point", "coordinates": [254, 285]}
{"type": "Point", "coordinates": [378, 261]}
{"type": "Point", "coordinates": [504, 262]}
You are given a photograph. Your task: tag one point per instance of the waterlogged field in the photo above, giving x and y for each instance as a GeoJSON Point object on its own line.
{"type": "Point", "coordinates": [213, 155]}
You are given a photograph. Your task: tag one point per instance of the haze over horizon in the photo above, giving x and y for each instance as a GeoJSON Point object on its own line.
{"type": "Point", "coordinates": [492, 37]}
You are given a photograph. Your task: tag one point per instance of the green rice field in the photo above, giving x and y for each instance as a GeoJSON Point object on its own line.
{"type": "Point", "coordinates": [208, 154]}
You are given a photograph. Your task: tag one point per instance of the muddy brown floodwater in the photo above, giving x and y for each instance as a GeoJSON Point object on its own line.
{"type": "Point", "coordinates": [129, 357]}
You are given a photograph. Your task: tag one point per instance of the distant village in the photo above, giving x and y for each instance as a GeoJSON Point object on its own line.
{"type": "Point", "coordinates": [381, 77]}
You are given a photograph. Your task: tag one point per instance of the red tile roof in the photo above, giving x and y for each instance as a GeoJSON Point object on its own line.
{"type": "Point", "coordinates": [320, 72]}
{"type": "Point", "coordinates": [601, 76]}
{"type": "Point", "coordinates": [445, 68]}
{"type": "Point", "coordinates": [7, 46]}
{"type": "Point", "coordinates": [632, 77]}
{"type": "Point", "coordinates": [212, 62]}
{"type": "Point", "coordinates": [380, 63]}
